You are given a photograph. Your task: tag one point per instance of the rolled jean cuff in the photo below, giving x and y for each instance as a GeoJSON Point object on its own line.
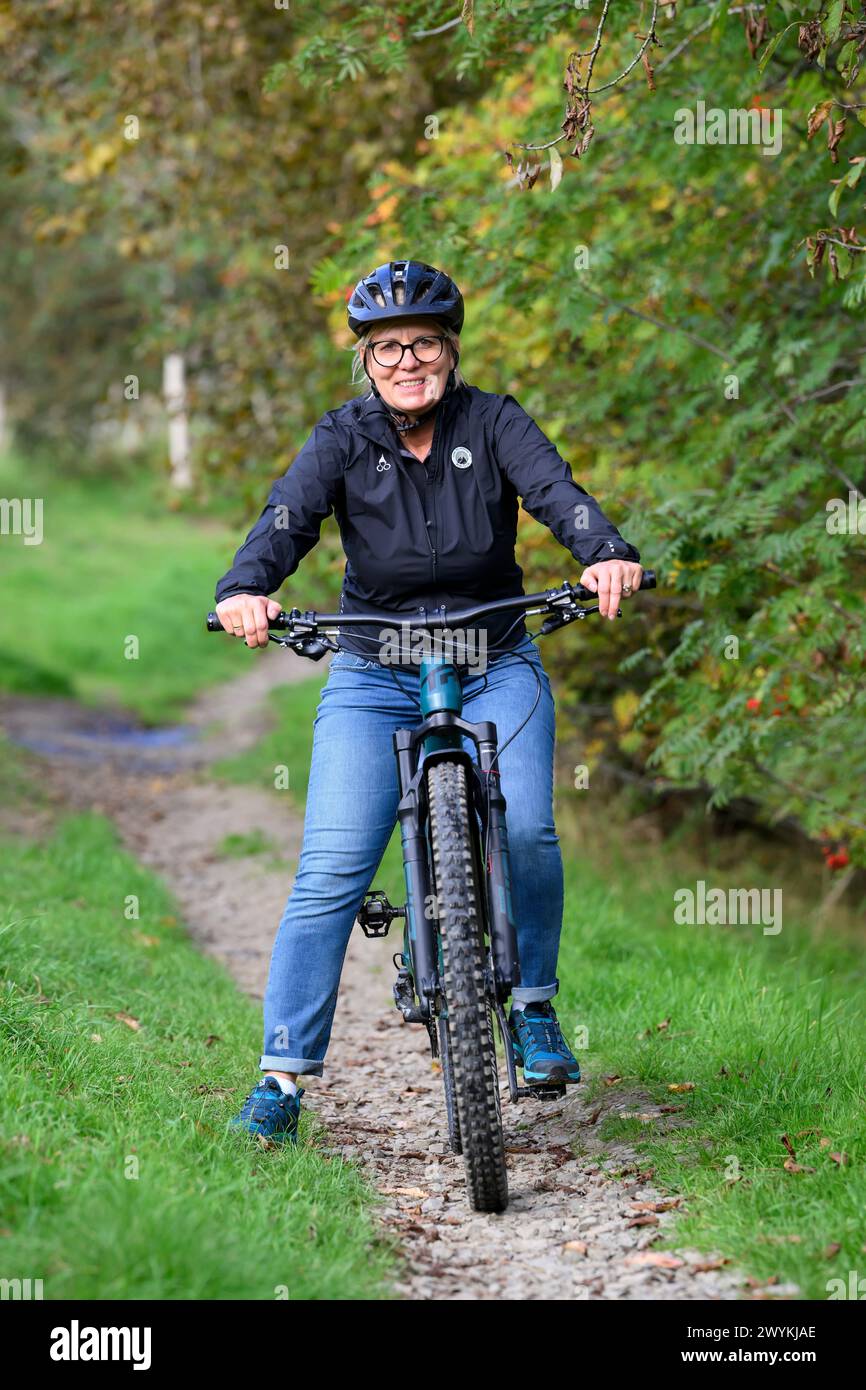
{"type": "Point", "coordinates": [534, 995]}
{"type": "Point", "coordinates": [306, 1066]}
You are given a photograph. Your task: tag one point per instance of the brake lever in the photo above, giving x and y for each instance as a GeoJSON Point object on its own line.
{"type": "Point", "coordinates": [313, 647]}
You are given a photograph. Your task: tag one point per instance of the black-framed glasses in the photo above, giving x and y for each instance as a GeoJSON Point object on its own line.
{"type": "Point", "coordinates": [389, 353]}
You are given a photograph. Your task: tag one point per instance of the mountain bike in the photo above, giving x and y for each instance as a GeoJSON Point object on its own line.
{"type": "Point", "coordinates": [459, 959]}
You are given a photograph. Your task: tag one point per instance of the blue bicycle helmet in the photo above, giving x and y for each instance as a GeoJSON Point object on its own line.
{"type": "Point", "coordinates": [405, 289]}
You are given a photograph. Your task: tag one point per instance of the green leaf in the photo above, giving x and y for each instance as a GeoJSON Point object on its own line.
{"type": "Point", "coordinates": [772, 46]}
{"type": "Point", "coordinates": [832, 22]}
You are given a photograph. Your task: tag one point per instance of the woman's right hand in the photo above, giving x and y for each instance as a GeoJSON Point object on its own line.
{"type": "Point", "coordinates": [246, 615]}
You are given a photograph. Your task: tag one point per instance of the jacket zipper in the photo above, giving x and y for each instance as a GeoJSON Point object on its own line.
{"type": "Point", "coordinates": [431, 479]}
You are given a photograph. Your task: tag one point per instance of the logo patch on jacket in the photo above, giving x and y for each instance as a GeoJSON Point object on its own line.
{"type": "Point", "coordinates": [461, 457]}
{"type": "Point", "coordinates": [382, 464]}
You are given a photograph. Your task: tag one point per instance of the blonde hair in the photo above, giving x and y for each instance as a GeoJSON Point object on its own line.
{"type": "Point", "coordinates": [359, 376]}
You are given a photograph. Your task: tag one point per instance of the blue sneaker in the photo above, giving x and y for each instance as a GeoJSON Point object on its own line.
{"type": "Point", "coordinates": [269, 1114]}
{"type": "Point", "coordinates": [539, 1047]}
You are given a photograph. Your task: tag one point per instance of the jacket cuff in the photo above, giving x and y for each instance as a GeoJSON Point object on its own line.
{"type": "Point", "coordinates": [229, 590]}
{"type": "Point", "coordinates": [615, 549]}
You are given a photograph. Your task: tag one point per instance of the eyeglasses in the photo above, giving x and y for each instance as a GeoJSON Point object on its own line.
{"type": "Point", "coordinates": [389, 353]}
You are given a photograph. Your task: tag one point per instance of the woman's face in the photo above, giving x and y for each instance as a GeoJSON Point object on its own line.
{"type": "Point", "coordinates": [412, 385]}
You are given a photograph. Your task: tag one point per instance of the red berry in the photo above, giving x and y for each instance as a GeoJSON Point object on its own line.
{"type": "Point", "coordinates": [753, 704]}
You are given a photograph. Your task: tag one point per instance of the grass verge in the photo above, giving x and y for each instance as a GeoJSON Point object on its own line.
{"type": "Point", "coordinates": [125, 1053]}
{"type": "Point", "coordinates": [768, 1030]}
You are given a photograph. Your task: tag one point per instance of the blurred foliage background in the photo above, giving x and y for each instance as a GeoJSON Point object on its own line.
{"type": "Point", "coordinates": [684, 320]}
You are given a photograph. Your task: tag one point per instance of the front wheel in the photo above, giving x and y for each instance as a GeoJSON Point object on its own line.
{"type": "Point", "coordinates": [470, 1021]}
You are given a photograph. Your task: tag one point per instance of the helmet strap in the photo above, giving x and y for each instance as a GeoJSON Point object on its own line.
{"type": "Point", "coordinates": [402, 423]}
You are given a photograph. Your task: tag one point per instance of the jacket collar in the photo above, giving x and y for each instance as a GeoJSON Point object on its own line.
{"type": "Point", "coordinates": [373, 420]}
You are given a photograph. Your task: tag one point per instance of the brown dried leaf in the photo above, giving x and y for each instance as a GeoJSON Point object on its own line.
{"type": "Point", "coordinates": [128, 1019]}
{"type": "Point", "coordinates": [681, 1086]}
{"type": "Point", "coordinates": [656, 1258]}
{"type": "Point", "coordinates": [612, 1080]}
{"type": "Point", "coordinates": [840, 1158]}
{"type": "Point", "coordinates": [648, 1219]}
{"type": "Point", "coordinates": [578, 1247]}
{"type": "Point", "coordinates": [788, 1145]}
{"type": "Point", "coordinates": [835, 131]}
{"type": "Point", "coordinates": [467, 14]}
{"type": "Point", "coordinates": [648, 70]}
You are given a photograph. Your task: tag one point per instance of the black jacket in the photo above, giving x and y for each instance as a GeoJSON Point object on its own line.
{"type": "Point", "coordinates": [454, 544]}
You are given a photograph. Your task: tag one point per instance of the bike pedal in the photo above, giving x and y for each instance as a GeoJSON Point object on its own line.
{"type": "Point", "coordinates": [556, 1091]}
{"type": "Point", "coordinates": [376, 914]}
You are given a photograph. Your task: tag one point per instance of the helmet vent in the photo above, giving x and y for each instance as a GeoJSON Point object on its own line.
{"type": "Point", "coordinates": [421, 290]}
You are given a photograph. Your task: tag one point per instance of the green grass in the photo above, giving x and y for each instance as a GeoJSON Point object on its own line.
{"type": "Point", "coordinates": [118, 1179]}
{"type": "Point", "coordinates": [115, 563]}
{"type": "Point", "coordinates": [770, 1029]}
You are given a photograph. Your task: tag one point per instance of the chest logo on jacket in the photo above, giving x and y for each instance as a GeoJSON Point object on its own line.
{"type": "Point", "coordinates": [461, 457]}
{"type": "Point", "coordinates": [382, 464]}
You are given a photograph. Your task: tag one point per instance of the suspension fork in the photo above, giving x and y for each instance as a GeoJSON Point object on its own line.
{"type": "Point", "coordinates": [419, 926]}
{"type": "Point", "coordinates": [497, 870]}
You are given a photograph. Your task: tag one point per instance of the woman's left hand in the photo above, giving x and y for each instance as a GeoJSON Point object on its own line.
{"type": "Point", "coordinates": [610, 579]}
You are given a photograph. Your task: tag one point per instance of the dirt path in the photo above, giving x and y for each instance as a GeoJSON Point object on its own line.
{"type": "Point", "coordinates": [567, 1226]}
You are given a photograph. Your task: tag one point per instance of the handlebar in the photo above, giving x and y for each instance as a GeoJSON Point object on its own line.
{"type": "Point", "coordinates": [562, 606]}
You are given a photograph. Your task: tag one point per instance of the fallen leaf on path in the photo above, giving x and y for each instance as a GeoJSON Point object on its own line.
{"type": "Point", "coordinates": [646, 1220]}
{"type": "Point", "coordinates": [578, 1247]}
{"type": "Point", "coordinates": [667, 1204]}
{"type": "Point", "coordinates": [830, 1250]}
{"type": "Point", "coordinates": [792, 1166]}
{"type": "Point", "coordinates": [133, 1023]}
{"type": "Point", "coordinates": [788, 1145]}
{"type": "Point", "coordinates": [840, 1158]}
{"type": "Point", "coordinates": [705, 1266]}
{"type": "Point", "coordinates": [612, 1080]}
{"type": "Point", "coordinates": [404, 1191]}
{"type": "Point", "coordinates": [681, 1086]}
{"type": "Point", "coordinates": [656, 1258]}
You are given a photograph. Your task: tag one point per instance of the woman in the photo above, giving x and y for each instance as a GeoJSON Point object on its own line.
{"type": "Point", "coordinates": [423, 473]}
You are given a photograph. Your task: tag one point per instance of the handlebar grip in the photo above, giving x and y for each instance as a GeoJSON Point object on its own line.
{"type": "Point", "coordinates": [214, 624]}
{"type": "Point", "coordinates": [647, 581]}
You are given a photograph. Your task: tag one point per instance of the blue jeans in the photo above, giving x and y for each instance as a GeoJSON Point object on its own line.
{"type": "Point", "coordinates": [351, 814]}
